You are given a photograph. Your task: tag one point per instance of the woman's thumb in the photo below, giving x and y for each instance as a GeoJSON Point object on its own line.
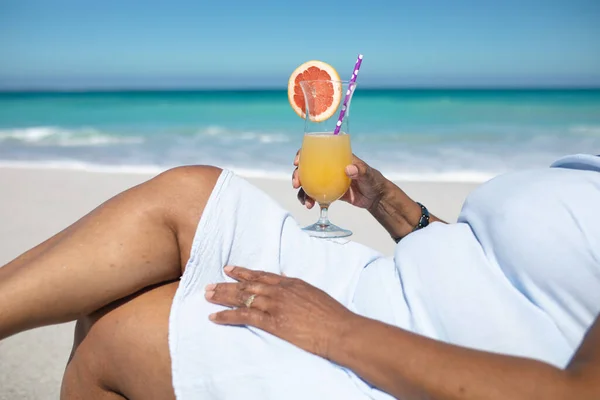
{"type": "Point", "coordinates": [356, 171]}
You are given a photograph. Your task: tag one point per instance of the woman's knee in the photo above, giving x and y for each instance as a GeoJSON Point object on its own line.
{"type": "Point", "coordinates": [185, 190]}
{"type": "Point", "coordinates": [180, 195]}
{"type": "Point", "coordinates": [176, 189]}
{"type": "Point", "coordinates": [200, 178]}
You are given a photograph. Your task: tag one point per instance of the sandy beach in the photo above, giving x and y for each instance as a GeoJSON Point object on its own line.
{"type": "Point", "coordinates": [36, 203]}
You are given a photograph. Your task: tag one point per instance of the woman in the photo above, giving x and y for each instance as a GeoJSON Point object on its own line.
{"type": "Point", "coordinates": [519, 275]}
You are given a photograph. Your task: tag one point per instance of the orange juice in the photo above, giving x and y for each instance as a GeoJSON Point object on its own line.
{"type": "Point", "coordinates": [323, 159]}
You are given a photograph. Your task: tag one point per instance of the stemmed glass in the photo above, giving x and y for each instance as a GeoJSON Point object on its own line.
{"type": "Point", "coordinates": [325, 155]}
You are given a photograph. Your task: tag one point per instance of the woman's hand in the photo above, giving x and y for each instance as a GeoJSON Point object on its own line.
{"type": "Point", "coordinates": [366, 189]}
{"type": "Point", "coordinates": [369, 189]}
{"type": "Point", "coordinates": [288, 308]}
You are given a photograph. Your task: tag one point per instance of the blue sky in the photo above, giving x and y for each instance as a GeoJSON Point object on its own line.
{"type": "Point", "coordinates": [179, 43]}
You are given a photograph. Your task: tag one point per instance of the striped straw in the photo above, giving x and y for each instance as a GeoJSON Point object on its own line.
{"type": "Point", "coordinates": [351, 87]}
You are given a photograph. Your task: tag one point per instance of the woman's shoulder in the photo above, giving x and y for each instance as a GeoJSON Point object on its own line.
{"type": "Point", "coordinates": [570, 180]}
{"type": "Point", "coordinates": [542, 228]}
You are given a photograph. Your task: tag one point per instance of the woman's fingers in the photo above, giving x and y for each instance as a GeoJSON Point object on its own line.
{"type": "Point", "coordinates": [236, 295]}
{"type": "Point", "coordinates": [305, 199]}
{"type": "Point", "coordinates": [352, 171]}
{"type": "Point", "coordinates": [249, 275]}
{"type": "Point", "coordinates": [288, 308]}
{"type": "Point", "coordinates": [242, 316]}
{"type": "Point", "coordinates": [302, 196]}
{"type": "Point", "coordinates": [297, 158]}
{"type": "Point", "coordinates": [295, 179]}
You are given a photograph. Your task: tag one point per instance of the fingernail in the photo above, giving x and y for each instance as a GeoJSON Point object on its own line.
{"type": "Point", "coordinates": [228, 268]}
{"type": "Point", "coordinates": [210, 287]}
{"type": "Point", "coordinates": [209, 294]}
{"type": "Point", "coordinates": [212, 317]}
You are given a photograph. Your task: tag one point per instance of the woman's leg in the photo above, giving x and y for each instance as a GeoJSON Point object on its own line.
{"type": "Point", "coordinates": [138, 238]}
{"type": "Point", "coordinates": [122, 351]}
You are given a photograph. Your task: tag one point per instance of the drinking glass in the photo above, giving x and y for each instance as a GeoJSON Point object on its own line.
{"type": "Point", "coordinates": [325, 155]}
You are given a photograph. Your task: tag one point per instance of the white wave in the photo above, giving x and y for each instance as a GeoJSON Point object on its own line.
{"type": "Point", "coordinates": [445, 176]}
{"type": "Point", "coordinates": [49, 135]}
{"type": "Point", "coordinates": [30, 135]}
{"type": "Point", "coordinates": [586, 130]}
{"type": "Point", "coordinates": [229, 135]}
{"type": "Point", "coordinates": [213, 130]}
{"type": "Point", "coordinates": [273, 138]}
{"type": "Point", "coordinates": [74, 165]}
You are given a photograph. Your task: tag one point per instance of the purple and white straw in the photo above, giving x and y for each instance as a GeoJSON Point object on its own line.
{"type": "Point", "coordinates": [351, 86]}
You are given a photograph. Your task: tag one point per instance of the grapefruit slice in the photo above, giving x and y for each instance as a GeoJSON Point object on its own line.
{"type": "Point", "coordinates": [327, 94]}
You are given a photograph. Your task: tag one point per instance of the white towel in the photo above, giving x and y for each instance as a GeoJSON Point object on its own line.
{"type": "Point", "coordinates": [243, 226]}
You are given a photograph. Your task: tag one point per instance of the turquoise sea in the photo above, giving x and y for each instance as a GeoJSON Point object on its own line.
{"type": "Point", "coordinates": [463, 135]}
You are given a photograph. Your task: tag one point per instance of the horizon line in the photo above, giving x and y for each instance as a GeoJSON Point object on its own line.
{"type": "Point", "coordinates": [280, 89]}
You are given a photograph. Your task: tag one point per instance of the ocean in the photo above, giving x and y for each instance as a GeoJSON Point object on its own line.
{"type": "Point", "coordinates": [434, 135]}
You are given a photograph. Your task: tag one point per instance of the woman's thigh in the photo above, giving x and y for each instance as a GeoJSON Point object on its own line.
{"type": "Point", "coordinates": [122, 351]}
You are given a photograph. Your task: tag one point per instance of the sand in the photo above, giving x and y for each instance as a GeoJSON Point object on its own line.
{"type": "Point", "coordinates": [36, 203]}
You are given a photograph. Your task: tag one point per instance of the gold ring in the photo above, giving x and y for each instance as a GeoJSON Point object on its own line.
{"type": "Point", "coordinates": [249, 300]}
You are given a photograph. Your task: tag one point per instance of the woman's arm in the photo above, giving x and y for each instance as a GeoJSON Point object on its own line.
{"type": "Point", "coordinates": [406, 365]}
{"type": "Point", "coordinates": [396, 212]}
